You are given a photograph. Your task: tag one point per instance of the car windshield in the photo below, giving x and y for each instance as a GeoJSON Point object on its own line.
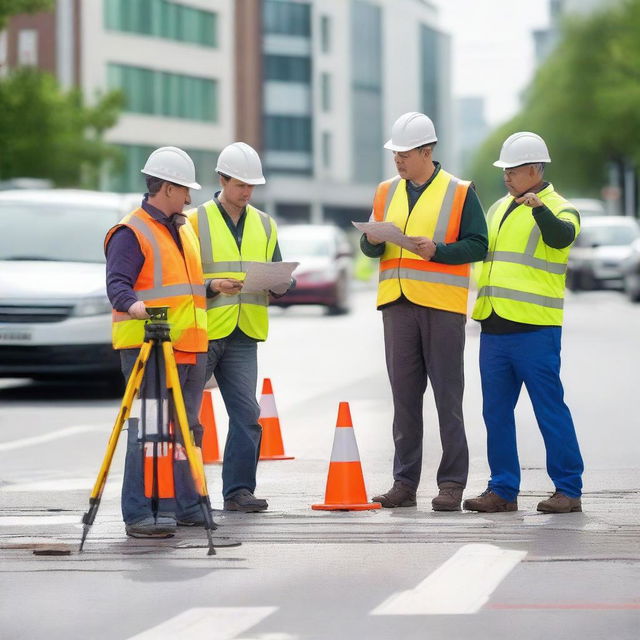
{"type": "Point", "coordinates": [609, 235]}
{"type": "Point", "coordinates": [295, 245]}
{"type": "Point", "coordinates": [54, 232]}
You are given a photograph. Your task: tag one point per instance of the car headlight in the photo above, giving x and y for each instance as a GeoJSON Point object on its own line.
{"type": "Point", "coordinates": [93, 306]}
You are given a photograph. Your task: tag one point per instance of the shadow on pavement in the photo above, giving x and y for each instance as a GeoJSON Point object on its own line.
{"type": "Point", "coordinates": [65, 389]}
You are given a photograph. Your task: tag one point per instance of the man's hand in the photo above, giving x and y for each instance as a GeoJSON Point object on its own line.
{"type": "Point", "coordinates": [425, 247]}
{"type": "Point", "coordinates": [227, 286]}
{"type": "Point", "coordinates": [138, 311]}
{"type": "Point", "coordinates": [371, 239]}
{"type": "Point", "coordinates": [530, 200]}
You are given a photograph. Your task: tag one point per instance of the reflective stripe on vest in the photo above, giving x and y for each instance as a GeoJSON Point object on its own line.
{"type": "Point", "coordinates": [221, 258]}
{"type": "Point", "coordinates": [522, 278]}
{"type": "Point", "coordinates": [436, 215]}
{"type": "Point", "coordinates": [168, 278]}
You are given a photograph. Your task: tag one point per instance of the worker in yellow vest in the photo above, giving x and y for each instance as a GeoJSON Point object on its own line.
{"type": "Point", "coordinates": [423, 298]}
{"type": "Point", "coordinates": [233, 232]}
{"type": "Point", "coordinates": [519, 306]}
{"type": "Point", "coordinates": [153, 260]}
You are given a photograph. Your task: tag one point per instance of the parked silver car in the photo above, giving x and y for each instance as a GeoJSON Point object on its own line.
{"type": "Point", "coordinates": [603, 245]}
{"type": "Point", "coordinates": [55, 318]}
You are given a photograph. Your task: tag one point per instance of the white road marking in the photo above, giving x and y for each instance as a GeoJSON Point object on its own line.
{"type": "Point", "coordinates": [48, 437]}
{"type": "Point", "coordinates": [65, 484]}
{"type": "Point", "coordinates": [207, 623]}
{"type": "Point", "coordinates": [462, 585]}
{"type": "Point", "coordinates": [37, 521]}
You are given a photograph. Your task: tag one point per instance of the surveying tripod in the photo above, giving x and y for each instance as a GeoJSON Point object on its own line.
{"type": "Point", "coordinates": [157, 343]}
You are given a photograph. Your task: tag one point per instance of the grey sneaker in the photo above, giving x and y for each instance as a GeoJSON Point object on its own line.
{"type": "Point", "coordinates": [489, 502]}
{"type": "Point", "coordinates": [400, 495]}
{"type": "Point", "coordinates": [243, 500]}
{"type": "Point", "coordinates": [161, 527]}
{"type": "Point", "coordinates": [560, 503]}
{"type": "Point", "coordinates": [449, 498]}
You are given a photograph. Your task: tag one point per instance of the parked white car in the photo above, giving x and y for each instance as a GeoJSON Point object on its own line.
{"type": "Point", "coordinates": [55, 318]}
{"type": "Point", "coordinates": [600, 250]}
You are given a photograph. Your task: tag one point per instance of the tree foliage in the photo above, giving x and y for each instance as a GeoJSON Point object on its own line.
{"type": "Point", "coordinates": [49, 133]}
{"type": "Point", "coordinates": [584, 101]}
{"type": "Point", "coordinates": [10, 8]}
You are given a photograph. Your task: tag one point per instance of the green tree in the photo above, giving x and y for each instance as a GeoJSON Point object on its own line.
{"type": "Point", "coordinates": [10, 8]}
{"type": "Point", "coordinates": [49, 133]}
{"type": "Point", "coordinates": [584, 101]}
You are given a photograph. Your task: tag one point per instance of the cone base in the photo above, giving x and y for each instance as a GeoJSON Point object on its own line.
{"type": "Point", "coordinates": [282, 457]}
{"type": "Point", "coordinates": [347, 507]}
{"type": "Point", "coordinates": [212, 462]}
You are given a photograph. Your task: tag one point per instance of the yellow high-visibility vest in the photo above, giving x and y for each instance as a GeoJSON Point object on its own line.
{"type": "Point", "coordinates": [221, 258]}
{"type": "Point", "coordinates": [436, 215]}
{"type": "Point", "coordinates": [168, 278]}
{"type": "Point", "coordinates": [522, 278]}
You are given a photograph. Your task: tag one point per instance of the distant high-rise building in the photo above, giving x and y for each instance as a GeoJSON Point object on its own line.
{"type": "Point", "coordinates": [313, 85]}
{"type": "Point", "coordinates": [471, 129]}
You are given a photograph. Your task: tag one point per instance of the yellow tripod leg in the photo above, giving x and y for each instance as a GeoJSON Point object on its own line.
{"type": "Point", "coordinates": [131, 391]}
{"type": "Point", "coordinates": [193, 456]}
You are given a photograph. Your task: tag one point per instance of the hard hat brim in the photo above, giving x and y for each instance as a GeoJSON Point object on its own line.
{"type": "Point", "coordinates": [252, 181]}
{"type": "Point", "coordinates": [397, 147]}
{"type": "Point", "coordinates": [189, 185]}
{"type": "Point", "coordinates": [501, 164]}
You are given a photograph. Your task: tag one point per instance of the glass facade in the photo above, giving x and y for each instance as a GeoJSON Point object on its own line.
{"type": "Point", "coordinates": [430, 59]}
{"type": "Point", "coordinates": [287, 133]}
{"type": "Point", "coordinates": [127, 178]}
{"type": "Point", "coordinates": [325, 91]}
{"type": "Point", "coordinates": [162, 19]}
{"type": "Point", "coordinates": [366, 61]}
{"type": "Point", "coordinates": [165, 94]}
{"type": "Point", "coordinates": [287, 68]}
{"type": "Point", "coordinates": [286, 18]}
{"type": "Point", "coordinates": [325, 34]}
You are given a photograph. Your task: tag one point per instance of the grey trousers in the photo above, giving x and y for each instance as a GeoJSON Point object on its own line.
{"type": "Point", "coordinates": [424, 344]}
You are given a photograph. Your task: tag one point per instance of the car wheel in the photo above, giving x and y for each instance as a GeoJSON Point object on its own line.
{"type": "Point", "coordinates": [341, 305]}
{"type": "Point", "coordinates": [633, 292]}
{"type": "Point", "coordinates": [573, 281]}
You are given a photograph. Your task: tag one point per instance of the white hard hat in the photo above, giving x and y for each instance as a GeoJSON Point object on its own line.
{"type": "Point", "coordinates": [173, 165]}
{"type": "Point", "coordinates": [520, 148]}
{"type": "Point", "coordinates": [411, 130]}
{"type": "Point", "coordinates": [239, 160]}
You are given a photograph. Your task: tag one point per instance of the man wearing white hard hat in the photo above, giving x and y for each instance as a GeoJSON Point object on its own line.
{"type": "Point", "coordinates": [520, 303]}
{"type": "Point", "coordinates": [423, 298]}
{"type": "Point", "coordinates": [153, 260]}
{"type": "Point", "coordinates": [232, 232]}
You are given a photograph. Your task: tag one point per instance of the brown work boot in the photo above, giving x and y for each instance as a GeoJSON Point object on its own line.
{"type": "Point", "coordinates": [400, 495]}
{"type": "Point", "coordinates": [489, 502]}
{"type": "Point", "coordinates": [449, 498]}
{"type": "Point", "coordinates": [560, 503]}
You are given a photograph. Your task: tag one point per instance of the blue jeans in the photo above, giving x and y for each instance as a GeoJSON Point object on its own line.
{"type": "Point", "coordinates": [186, 504]}
{"type": "Point", "coordinates": [506, 361]}
{"type": "Point", "coordinates": [234, 362]}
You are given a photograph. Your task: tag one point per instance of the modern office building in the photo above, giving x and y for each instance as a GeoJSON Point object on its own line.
{"type": "Point", "coordinates": [314, 85]}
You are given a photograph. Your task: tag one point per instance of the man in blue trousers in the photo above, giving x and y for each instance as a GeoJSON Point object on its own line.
{"type": "Point", "coordinates": [519, 305]}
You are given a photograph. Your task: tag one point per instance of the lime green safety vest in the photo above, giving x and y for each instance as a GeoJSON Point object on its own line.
{"type": "Point", "coordinates": [522, 278]}
{"type": "Point", "coordinates": [221, 258]}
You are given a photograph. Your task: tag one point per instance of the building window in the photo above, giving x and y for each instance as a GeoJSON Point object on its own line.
{"type": "Point", "coordinates": [286, 18]}
{"type": "Point", "coordinates": [27, 47]}
{"type": "Point", "coordinates": [325, 34]}
{"type": "Point", "coordinates": [326, 149]}
{"type": "Point", "coordinates": [325, 92]}
{"type": "Point", "coordinates": [287, 68]}
{"type": "Point", "coordinates": [163, 19]}
{"type": "Point", "coordinates": [287, 133]}
{"type": "Point", "coordinates": [128, 179]}
{"type": "Point", "coordinates": [429, 41]}
{"type": "Point", "coordinates": [165, 94]}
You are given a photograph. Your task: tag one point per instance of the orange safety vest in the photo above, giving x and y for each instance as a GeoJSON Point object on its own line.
{"type": "Point", "coordinates": [168, 278]}
{"type": "Point", "coordinates": [436, 215]}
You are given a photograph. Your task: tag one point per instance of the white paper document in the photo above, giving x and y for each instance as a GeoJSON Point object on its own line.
{"type": "Point", "coordinates": [388, 232]}
{"type": "Point", "coordinates": [268, 276]}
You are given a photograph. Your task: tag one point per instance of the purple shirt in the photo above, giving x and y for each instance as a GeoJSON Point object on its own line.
{"type": "Point", "coordinates": [125, 258]}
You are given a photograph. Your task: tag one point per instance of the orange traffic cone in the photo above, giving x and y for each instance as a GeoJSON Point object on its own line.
{"type": "Point", "coordinates": [158, 465]}
{"type": "Point", "coordinates": [210, 450]}
{"type": "Point", "coordinates": [345, 483]}
{"type": "Point", "coordinates": [271, 447]}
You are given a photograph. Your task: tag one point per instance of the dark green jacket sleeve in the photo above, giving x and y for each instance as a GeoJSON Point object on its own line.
{"type": "Point", "coordinates": [371, 250]}
{"type": "Point", "coordinates": [472, 244]}
{"type": "Point", "coordinates": [556, 233]}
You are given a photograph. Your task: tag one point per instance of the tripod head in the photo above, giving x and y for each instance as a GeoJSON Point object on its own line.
{"type": "Point", "coordinates": [157, 326]}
